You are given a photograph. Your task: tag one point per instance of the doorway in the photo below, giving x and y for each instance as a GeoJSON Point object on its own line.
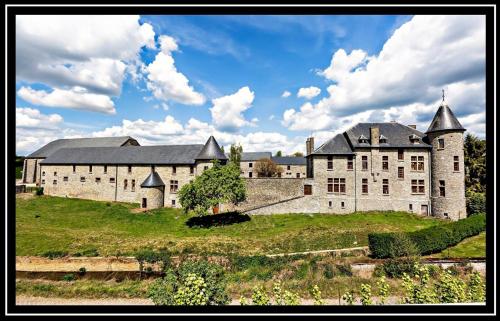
{"type": "Point", "coordinates": [144, 203]}
{"type": "Point", "coordinates": [424, 210]}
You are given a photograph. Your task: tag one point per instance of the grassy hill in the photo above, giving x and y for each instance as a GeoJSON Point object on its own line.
{"type": "Point", "coordinates": [74, 225]}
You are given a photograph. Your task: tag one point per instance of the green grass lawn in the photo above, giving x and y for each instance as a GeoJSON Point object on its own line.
{"type": "Point", "coordinates": [472, 247]}
{"type": "Point", "coordinates": [74, 225]}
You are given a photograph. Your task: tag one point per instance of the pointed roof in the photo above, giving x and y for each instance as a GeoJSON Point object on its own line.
{"type": "Point", "coordinates": [338, 145]}
{"type": "Point", "coordinates": [444, 120]}
{"type": "Point", "coordinates": [153, 180]}
{"type": "Point", "coordinates": [211, 150]}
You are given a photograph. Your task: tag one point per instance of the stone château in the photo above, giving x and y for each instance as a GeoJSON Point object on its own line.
{"type": "Point", "coordinates": [371, 166]}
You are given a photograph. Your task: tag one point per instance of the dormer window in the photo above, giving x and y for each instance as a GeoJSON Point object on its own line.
{"type": "Point", "coordinates": [363, 139]}
{"type": "Point", "coordinates": [383, 139]}
{"type": "Point", "coordinates": [414, 139]}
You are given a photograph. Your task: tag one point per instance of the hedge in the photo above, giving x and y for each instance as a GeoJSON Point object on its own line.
{"type": "Point", "coordinates": [430, 240]}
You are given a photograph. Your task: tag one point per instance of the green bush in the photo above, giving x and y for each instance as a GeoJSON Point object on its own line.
{"type": "Point", "coordinates": [54, 254]}
{"type": "Point", "coordinates": [476, 203]}
{"type": "Point", "coordinates": [394, 268]}
{"type": "Point", "coordinates": [194, 282]}
{"type": "Point", "coordinates": [82, 271]}
{"type": "Point", "coordinates": [427, 241]}
{"type": "Point", "coordinates": [69, 277]}
{"type": "Point", "coordinates": [344, 269]}
{"type": "Point", "coordinates": [151, 256]}
{"type": "Point", "coordinates": [39, 191]}
{"type": "Point", "coordinates": [328, 272]}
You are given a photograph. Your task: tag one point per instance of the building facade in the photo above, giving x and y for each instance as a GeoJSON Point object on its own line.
{"type": "Point", "coordinates": [369, 167]}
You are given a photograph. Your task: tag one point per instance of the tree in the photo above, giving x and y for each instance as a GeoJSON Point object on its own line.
{"type": "Point", "coordinates": [298, 154]}
{"type": "Point", "coordinates": [235, 154]}
{"type": "Point", "coordinates": [475, 164]}
{"type": "Point", "coordinates": [265, 167]}
{"type": "Point", "coordinates": [278, 154]}
{"type": "Point", "coordinates": [222, 149]}
{"type": "Point", "coordinates": [219, 184]}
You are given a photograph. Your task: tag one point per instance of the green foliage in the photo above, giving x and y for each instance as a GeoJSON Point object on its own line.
{"type": "Point", "coordinates": [328, 272]}
{"type": "Point", "coordinates": [192, 291]}
{"type": "Point", "coordinates": [348, 297]}
{"type": "Point", "coordinates": [68, 277]}
{"type": "Point", "coordinates": [383, 290]}
{"type": "Point", "coordinates": [430, 240]}
{"type": "Point", "coordinates": [298, 154]}
{"type": "Point", "coordinates": [39, 191]}
{"type": "Point", "coordinates": [344, 269]}
{"type": "Point", "coordinates": [151, 256]}
{"type": "Point", "coordinates": [194, 282]}
{"type": "Point", "coordinates": [259, 296]}
{"type": "Point", "coordinates": [476, 203]}
{"type": "Point", "coordinates": [278, 154]}
{"type": "Point", "coordinates": [54, 254]}
{"type": "Point", "coordinates": [395, 268]}
{"type": "Point", "coordinates": [219, 184]}
{"type": "Point", "coordinates": [366, 294]}
{"type": "Point", "coordinates": [418, 291]}
{"type": "Point", "coordinates": [235, 154]}
{"type": "Point", "coordinates": [316, 294]}
{"type": "Point", "coordinates": [450, 289]}
{"type": "Point", "coordinates": [475, 164]}
{"type": "Point", "coordinates": [82, 271]}
{"type": "Point", "coordinates": [91, 252]}
{"type": "Point", "coordinates": [476, 291]}
{"type": "Point", "coordinates": [284, 297]}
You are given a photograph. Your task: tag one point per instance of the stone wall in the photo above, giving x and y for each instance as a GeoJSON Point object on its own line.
{"type": "Point", "coordinates": [286, 173]}
{"type": "Point", "coordinates": [31, 170]}
{"type": "Point", "coordinates": [265, 191]}
{"type": "Point", "coordinates": [453, 204]}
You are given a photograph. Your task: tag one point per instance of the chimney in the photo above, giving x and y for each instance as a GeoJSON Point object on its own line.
{"type": "Point", "coordinates": [374, 135]}
{"type": "Point", "coordinates": [413, 126]}
{"type": "Point", "coordinates": [309, 145]}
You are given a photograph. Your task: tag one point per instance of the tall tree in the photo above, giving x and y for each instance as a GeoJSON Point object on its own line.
{"type": "Point", "coordinates": [278, 154]}
{"type": "Point", "coordinates": [265, 167]}
{"type": "Point", "coordinates": [475, 163]}
{"type": "Point", "coordinates": [216, 185]}
{"type": "Point", "coordinates": [298, 154]}
{"type": "Point", "coordinates": [235, 154]}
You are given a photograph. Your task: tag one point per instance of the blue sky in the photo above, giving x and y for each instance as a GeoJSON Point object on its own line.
{"type": "Point", "coordinates": [179, 79]}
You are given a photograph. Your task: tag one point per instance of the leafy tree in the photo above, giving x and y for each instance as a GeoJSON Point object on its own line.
{"type": "Point", "coordinates": [219, 184]}
{"type": "Point", "coordinates": [265, 167]}
{"type": "Point", "coordinates": [475, 163]}
{"type": "Point", "coordinates": [278, 154]}
{"type": "Point", "coordinates": [476, 202]}
{"type": "Point", "coordinates": [298, 154]}
{"type": "Point", "coordinates": [235, 154]}
{"type": "Point", "coordinates": [222, 149]}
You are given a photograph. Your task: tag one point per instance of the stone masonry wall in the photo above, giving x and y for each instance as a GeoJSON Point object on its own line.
{"type": "Point", "coordinates": [32, 170]}
{"type": "Point", "coordinates": [453, 204]}
{"type": "Point", "coordinates": [286, 173]}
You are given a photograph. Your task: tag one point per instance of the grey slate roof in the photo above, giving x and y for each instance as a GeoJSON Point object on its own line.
{"type": "Point", "coordinates": [211, 150]}
{"type": "Point", "coordinates": [289, 160]}
{"type": "Point", "coordinates": [253, 156]}
{"type": "Point", "coordinates": [153, 180]}
{"type": "Point", "coordinates": [55, 145]}
{"type": "Point", "coordinates": [145, 155]}
{"type": "Point", "coordinates": [338, 145]}
{"type": "Point", "coordinates": [444, 120]}
{"type": "Point", "coordinates": [398, 135]}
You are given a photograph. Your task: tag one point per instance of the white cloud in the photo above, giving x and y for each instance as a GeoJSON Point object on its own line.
{"type": "Point", "coordinates": [286, 94]}
{"type": "Point", "coordinates": [91, 52]}
{"type": "Point", "coordinates": [227, 111]}
{"type": "Point", "coordinates": [165, 82]}
{"type": "Point", "coordinates": [76, 98]}
{"type": "Point", "coordinates": [423, 56]}
{"type": "Point", "coordinates": [34, 129]}
{"type": "Point", "coordinates": [308, 92]}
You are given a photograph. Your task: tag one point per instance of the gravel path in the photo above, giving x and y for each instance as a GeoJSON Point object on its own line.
{"type": "Point", "coordinates": [31, 300]}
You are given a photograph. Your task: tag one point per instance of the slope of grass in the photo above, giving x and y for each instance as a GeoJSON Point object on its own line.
{"type": "Point", "coordinates": [472, 247]}
{"type": "Point", "coordinates": [74, 225]}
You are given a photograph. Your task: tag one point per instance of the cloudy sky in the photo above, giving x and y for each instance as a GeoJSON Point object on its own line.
{"type": "Point", "coordinates": [266, 82]}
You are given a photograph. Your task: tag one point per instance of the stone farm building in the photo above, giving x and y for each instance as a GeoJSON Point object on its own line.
{"type": "Point", "coordinates": [371, 166]}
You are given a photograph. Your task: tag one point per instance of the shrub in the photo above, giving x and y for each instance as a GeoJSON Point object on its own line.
{"type": "Point", "coordinates": [427, 241]}
{"type": "Point", "coordinates": [194, 282]}
{"type": "Point", "coordinates": [344, 269]}
{"type": "Point", "coordinates": [68, 277]}
{"type": "Point", "coordinates": [82, 271]}
{"type": "Point", "coordinates": [92, 252]}
{"type": "Point", "coordinates": [366, 294]}
{"type": "Point", "coordinates": [328, 271]}
{"type": "Point", "coordinates": [151, 256]}
{"type": "Point", "coordinates": [450, 289]}
{"type": "Point", "coordinates": [259, 296]}
{"type": "Point", "coordinates": [476, 203]}
{"type": "Point", "coordinates": [348, 297]}
{"type": "Point", "coordinates": [316, 294]}
{"type": "Point", "coordinates": [395, 268]}
{"type": "Point", "coordinates": [39, 191]}
{"type": "Point", "coordinates": [54, 254]}
{"type": "Point", "coordinates": [476, 288]}
{"type": "Point", "coordinates": [383, 289]}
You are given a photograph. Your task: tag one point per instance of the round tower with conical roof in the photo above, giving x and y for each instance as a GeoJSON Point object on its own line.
{"type": "Point", "coordinates": [445, 134]}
